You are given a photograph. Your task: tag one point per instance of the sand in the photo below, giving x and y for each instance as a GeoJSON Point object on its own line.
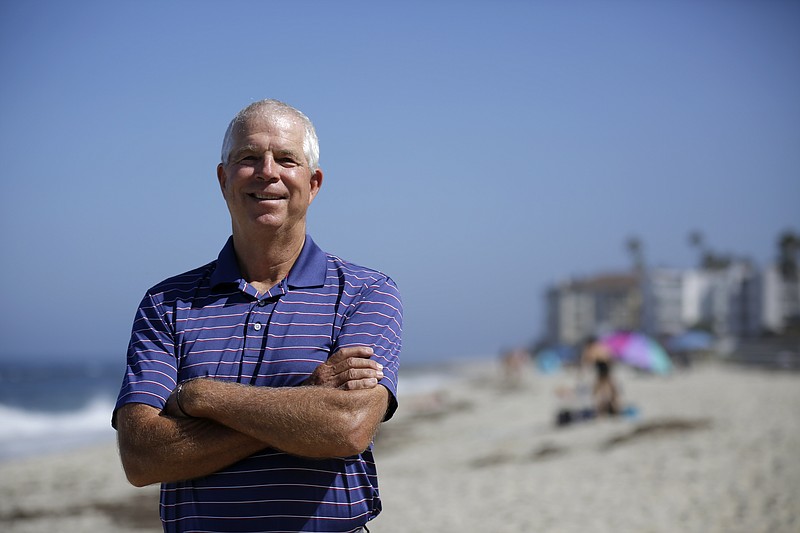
{"type": "Point", "coordinates": [713, 449]}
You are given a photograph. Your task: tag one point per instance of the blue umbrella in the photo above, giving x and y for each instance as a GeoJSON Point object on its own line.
{"type": "Point", "coordinates": [694, 340]}
{"type": "Point", "coordinates": [553, 358]}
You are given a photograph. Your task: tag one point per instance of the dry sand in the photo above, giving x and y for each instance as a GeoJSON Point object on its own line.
{"type": "Point", "coordinates": [715, 449]}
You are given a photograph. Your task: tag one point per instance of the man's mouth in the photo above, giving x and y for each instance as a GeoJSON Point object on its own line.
{"type": "Point", "coordinates": [262, 196]}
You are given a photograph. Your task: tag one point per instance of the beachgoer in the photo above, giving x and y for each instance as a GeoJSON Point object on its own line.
{"type": "Point", "coordinates": [255, 384]}
{"type": "Point", "coordinates": [514, 363]}
{"type": "Point", "coordinates": [604, 391]}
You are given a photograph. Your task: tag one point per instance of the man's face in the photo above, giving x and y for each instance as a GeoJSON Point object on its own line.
{"type": "Point", "coordinates": [267, 183]}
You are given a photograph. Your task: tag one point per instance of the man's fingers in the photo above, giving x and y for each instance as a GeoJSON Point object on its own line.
{"type": "Point", "coordinates": [347, 352]}
{"type": "Point", "coordinates": [353, 374]}
{"type": "Point", "coordinates": [358, 384]}
{"type": "Point", "coordinates": [355, 363]}
{"type": "Point", "coordinates": [348, 368]}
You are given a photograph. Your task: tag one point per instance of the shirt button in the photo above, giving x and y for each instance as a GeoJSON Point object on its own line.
{"type": "Point", "coordinates": [257, 326]}
{"type": "Point", "coordinates": [262, 303]}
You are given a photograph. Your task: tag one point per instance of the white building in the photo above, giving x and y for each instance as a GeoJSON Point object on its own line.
{"type": "Point", "coordinates": [665, 310]}
{"type": "Point", "coordinates": [577, 309]}
{"type": "Point", "coordinates": [781, 300]}
{"type": "Point", "coordinates": [732, 302]}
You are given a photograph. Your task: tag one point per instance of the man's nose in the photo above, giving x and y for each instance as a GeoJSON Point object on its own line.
{"type": "Point", "coordinates": [269, 168]}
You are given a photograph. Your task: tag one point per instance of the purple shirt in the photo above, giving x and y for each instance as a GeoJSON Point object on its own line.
{"type": "Point", "coordinates": [210, 322]}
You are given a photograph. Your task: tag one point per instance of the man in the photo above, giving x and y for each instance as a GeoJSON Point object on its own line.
{"type": "Point", "coordinates": [255, 383]}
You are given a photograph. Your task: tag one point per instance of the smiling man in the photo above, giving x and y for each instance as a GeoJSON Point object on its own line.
{"type": "Point", "coordinates": [255, 384]}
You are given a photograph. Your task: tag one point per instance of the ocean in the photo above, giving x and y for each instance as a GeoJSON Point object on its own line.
{"type": "Point", "coordinates": [57, 406]}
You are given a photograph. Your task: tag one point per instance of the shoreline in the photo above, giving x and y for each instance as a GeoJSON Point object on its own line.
{"type": "Point", "coordinates": [709, 449]}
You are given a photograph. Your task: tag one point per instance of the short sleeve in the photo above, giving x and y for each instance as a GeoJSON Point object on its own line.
{"type": "Point", "coordinates": [151, 370]}
{"type": "Point", "coordinates": [375, 319]}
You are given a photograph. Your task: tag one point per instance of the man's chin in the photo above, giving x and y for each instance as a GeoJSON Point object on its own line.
{"type": "Point", "coordinates": [270, 224]}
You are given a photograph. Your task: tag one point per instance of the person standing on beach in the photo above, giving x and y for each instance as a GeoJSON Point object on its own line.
{"type": "Point", "coordinates": [255, 384]}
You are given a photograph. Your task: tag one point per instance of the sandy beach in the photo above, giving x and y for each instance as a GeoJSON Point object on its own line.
{"type": "Point", "coordinates": [712, 449]}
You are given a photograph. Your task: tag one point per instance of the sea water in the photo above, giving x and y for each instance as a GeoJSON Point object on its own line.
{"type": "Point", "coordinates": [50, 406]}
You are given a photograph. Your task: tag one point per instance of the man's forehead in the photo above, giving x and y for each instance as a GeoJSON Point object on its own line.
{"type": "Point", "coordinates": [280, 122]}
{"type": "Point", "coordinates": [277, 127]}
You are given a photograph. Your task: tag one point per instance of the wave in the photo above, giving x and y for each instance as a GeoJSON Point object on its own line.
{"type": "Point", "coordinates": [25, 432]}
{"type": "Point", "coordinates": [32, 430]}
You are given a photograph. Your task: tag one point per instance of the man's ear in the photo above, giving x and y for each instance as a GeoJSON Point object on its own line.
{"type": "Point", "coordinates": [222, 177]}
{"type": "Point", "coordinates": [316, 183]}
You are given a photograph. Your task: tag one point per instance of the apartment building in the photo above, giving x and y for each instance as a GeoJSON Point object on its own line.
{"type": "Point", "coordinates": [737, 301]}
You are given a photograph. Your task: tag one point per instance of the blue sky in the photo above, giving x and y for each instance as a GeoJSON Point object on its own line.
{"type": "Point", "coordinates": [474, 151]}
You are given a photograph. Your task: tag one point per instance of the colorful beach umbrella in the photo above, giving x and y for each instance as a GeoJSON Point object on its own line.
{"type": "Point", "coordinates": [639, 351]}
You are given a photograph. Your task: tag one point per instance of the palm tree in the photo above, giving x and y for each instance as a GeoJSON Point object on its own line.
{"type": "Point", "coordinates": [696, 239]}
{"type": "Point", "coordinates": [789, 249]}
{"type": "Point", "coordinates": [635, 248]}
{"type": "Point", "coordinates": [698, 242]}
{"type": "Point", "coordinates": [708, 259]}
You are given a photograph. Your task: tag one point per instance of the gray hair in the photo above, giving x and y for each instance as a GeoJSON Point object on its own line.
{"type": "Point", "coordinates": [266, 108]}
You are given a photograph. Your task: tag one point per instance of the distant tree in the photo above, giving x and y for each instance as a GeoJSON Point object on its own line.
{"type": "Point", "coordinates": [709, 260]}
{"type": "Point", "coordinates": [703, 325]}
{"type": "Point", "coordinates": [712, 261]}
{"type": "Point", "coordinates": [635, 249]}
{"type": "Point", "coordinates": [788, 251]}
{"type": "Point", "coordinates": [698, 242]}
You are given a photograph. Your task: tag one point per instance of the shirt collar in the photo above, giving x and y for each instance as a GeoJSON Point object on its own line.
{"type": "Point", "coordinates": [310, 269]}
{"type": "Point", "coordinates": [227, 270]}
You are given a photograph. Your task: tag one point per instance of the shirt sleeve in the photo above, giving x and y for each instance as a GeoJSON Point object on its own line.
{"type": "Point", "coordinates": [151, 370]}
{"type": "Point", "coordinates": [375, 319]}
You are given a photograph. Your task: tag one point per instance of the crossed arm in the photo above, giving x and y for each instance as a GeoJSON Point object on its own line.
{"type": "Point", "coordinates": [335, 414]}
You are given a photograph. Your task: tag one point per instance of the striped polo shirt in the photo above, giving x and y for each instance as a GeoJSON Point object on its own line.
{"type": "Point", "coordinates": [209, 322]}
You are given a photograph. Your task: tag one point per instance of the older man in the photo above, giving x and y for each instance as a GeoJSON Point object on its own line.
{"type": "Point", "coordinates": [255, 383]}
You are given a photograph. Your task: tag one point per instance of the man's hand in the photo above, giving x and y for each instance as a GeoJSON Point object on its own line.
{"type": "Point", "coordinates": [349, 369]}
{"type": "Point", "coordinates": [172, 407]}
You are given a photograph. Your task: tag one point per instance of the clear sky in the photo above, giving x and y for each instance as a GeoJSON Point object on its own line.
{"type": "Point", "coordinates": [474, 151]}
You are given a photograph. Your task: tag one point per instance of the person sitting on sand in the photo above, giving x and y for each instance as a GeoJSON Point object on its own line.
{"type": "Point", "coordinates": [604, 392]}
